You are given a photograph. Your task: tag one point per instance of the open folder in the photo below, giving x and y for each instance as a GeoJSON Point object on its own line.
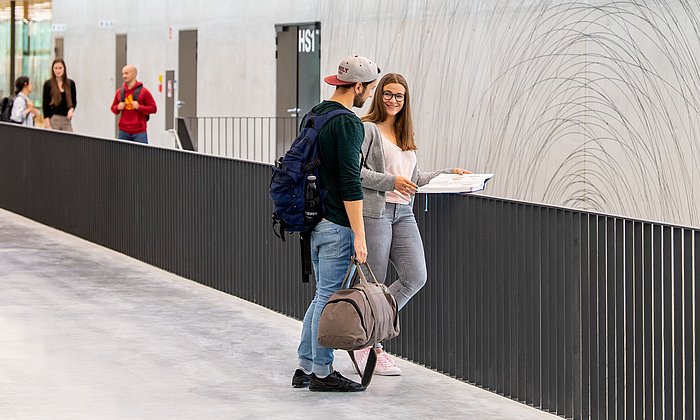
{"type": "Point", "coordinates": [453, 183]}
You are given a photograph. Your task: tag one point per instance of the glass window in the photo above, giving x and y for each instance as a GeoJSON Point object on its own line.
{"type": "Point", "coordinates": [33, 40]}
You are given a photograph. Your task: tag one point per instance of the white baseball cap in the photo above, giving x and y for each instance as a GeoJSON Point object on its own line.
{"type": "Point", "coordinates": [353, 69]}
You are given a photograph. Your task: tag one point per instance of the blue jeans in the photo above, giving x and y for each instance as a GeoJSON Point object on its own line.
{"type": "Point", "coordinates": [395, 238]}
{"type": "Point", "coordinates": [331, 251]}
{"type": "Point", "coordinates": [138, 137]}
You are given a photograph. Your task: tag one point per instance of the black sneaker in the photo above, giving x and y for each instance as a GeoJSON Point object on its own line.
{"type": "Point", "coordinates": [335, 382]}
{"type": "Point", "coordinates": [300, 379]}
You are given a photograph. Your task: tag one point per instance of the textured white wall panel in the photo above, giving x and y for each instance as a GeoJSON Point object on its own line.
{"type": "Point", "coordinates": [590, 104]}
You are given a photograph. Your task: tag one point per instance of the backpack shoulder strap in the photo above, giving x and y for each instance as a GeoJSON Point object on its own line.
{"type": "Point", "coordinates": [321, 119]}
{"type": "Point", "coordinates": [134, 96]}
{"type": "Point", "coordinates": [136, 93]}
{"type": "Point", "coordinates": [313, 120]}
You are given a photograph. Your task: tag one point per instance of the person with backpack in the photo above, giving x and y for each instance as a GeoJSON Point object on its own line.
{"type": "Point", "coordinates": [59, 98]}
{"type": "Point", "coordinates": [135, 104]}
{"type": "Point", "coordinates": [340, 234]}
{"type": "Point", "coordinates": [390, 177]}
{"type": "Point", "coordinates": [23, 110]}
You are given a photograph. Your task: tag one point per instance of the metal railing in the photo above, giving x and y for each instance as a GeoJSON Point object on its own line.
{"type": "Point", "coordinates": [581, 314]}
{"type": "Point", "coordinates": [260, 139]}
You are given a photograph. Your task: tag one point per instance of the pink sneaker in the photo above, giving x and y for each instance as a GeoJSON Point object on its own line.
{"type": "Point", "coordinates": [386, 366]}
{"type": "Point", "coordinates": [359, 360]}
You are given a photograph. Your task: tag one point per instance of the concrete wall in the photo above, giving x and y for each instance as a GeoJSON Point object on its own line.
{"type": "Point", "coordinates": [236, 53]}
{"type": "Point", "coordinates": [591, 104]}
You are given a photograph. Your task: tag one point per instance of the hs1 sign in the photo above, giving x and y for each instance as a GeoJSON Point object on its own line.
{"type": "Point", "coordinates": [307, 40]}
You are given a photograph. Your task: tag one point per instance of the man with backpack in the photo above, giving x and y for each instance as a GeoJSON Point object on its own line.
{"type": "Point", "coordinates": [136, 104]}
{"type": "Point", "coordinates": [340, 234]}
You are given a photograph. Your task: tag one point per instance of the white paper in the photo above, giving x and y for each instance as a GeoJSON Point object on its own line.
{"type": "Point", "coordinates": [453, 183]}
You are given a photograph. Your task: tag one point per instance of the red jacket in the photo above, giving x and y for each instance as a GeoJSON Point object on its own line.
{"type": "Point", "coordinates": [133, 121]}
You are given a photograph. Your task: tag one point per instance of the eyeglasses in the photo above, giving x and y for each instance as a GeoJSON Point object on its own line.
{"type": "Point", "coordinates": [388, 95]}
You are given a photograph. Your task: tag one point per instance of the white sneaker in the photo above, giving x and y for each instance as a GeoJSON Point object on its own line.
{"type": "Point", "coordinates": [386, 366]}
{"type": "Point", "coordinates": [360, 360]}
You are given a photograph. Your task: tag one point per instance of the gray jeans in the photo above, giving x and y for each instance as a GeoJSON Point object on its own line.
{"type": "Point", "coordinates": [395, 238]}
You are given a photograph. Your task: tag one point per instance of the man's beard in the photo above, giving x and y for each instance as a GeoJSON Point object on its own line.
{"type": "Point", "coordinates": [358, 101]}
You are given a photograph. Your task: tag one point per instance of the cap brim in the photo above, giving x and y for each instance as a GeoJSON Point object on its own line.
{"type": "Point", "coordinates": [333, 80]}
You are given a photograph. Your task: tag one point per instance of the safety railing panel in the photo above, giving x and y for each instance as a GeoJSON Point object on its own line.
{"type": "Point", "coordinates": [585, 315]}
{"type": "Point", "coordinates": [261, 139]}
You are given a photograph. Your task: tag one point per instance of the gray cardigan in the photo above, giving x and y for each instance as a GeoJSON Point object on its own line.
{"type": "Point", "coordinates": [375, 182]}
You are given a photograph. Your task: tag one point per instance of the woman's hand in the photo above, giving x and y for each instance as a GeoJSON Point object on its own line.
{"type": "Point", "coordinates": [70, 114]}
{"type": "Point", "coordinates": [460, 171]}
{"type": "Point", "coordinates": [31, 109]}
{"type": "Point", "coordinates": [404, 186]}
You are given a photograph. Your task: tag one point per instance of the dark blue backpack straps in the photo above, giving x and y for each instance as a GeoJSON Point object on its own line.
{"type": "Point", "coordinates": [321, 120]}
{"type": "Point", "coordinates": [316, 122]}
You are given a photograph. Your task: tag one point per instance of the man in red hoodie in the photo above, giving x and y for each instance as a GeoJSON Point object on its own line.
{"type": "Point", "coordinates": [135, 103]}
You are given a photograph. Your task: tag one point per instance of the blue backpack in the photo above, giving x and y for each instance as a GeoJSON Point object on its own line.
{"type": "Point", "coordinates": [289, 177]}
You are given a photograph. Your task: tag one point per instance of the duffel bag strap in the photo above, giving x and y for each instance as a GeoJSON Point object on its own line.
{"type": "Point", "coordinates": [363, 280]}
{"type": "Point", "coordinates": [369, 366]}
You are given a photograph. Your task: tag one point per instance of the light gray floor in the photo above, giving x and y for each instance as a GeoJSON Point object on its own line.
{"type": "Point", "coordinates": [88, 333]}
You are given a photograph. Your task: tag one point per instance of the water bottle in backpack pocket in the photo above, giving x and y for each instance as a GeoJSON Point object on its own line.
{"type": "Point", "coordinates": [312, 202]}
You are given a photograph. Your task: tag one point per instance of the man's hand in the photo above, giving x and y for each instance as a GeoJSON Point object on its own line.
{"type": "Point", "coordinates": [354, 211]}
{"type": "Point", "coordinates": [135, 104]}
{"type": "Point", "coordinates": [404, 185]}
{"type": "Point", "coordinates": [360, 249]}
{"type": "Point", "coordinates": [121, 106]}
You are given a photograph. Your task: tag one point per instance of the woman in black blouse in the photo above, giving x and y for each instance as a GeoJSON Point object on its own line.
{"type": "Point", "coordinates": [59, 98]}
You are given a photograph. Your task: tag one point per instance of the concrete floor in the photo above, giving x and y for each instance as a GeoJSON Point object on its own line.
{"type": "Point", "coordinates": [88, 333]}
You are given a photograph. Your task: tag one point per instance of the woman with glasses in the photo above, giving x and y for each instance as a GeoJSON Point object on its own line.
{"type": "Point", "coordinates": [389, 180]}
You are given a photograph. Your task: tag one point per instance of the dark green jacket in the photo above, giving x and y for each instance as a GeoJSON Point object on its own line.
{"type": "Point", "coordinates": [340, 143]}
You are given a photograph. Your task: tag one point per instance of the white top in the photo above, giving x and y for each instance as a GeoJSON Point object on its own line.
{"type": "Point", "coordinates": [19, 109]}
{"type": "Point", "coordinates": [398, 163]}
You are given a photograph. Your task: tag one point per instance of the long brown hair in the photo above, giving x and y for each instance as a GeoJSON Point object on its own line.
{"type": "Point", "coordinates": [55, 90]}
{"type": "Point", "coordinates": [403, 125]}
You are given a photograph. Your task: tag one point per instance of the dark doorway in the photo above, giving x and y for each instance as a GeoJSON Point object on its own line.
{"type": "Point", "coordinates": [58, 48]}
{"type": "Point", "coordinates": [169, 99]}
{"type": "Point", "coordinates": [298, 77]}
{"type": "Point", "coordinates": [120, 62]}
{"type": "Point", "coordinates": [187, 80]}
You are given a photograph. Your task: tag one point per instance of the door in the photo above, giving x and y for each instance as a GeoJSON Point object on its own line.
{"type": "Point", "coordinates": [169, 99]}
{"type": "Point", "coordinates": [120, 62]}
{"type": "Point", "coordinates": [58, 48]}
{"type": "Point", "coordinates": [286, 103]}
{"type": "Point", "coordinates": [309, 67]}
{"type": "Point", "coordinates": [298, 77]}
{"type": "Point", "coordinates": [186, 103]}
